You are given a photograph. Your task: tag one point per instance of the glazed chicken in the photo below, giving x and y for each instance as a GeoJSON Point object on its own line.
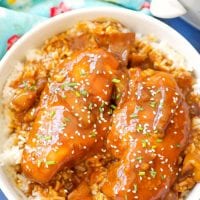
{"type": "Point", "coordinates": [73, 118]}
{"type": "Point", "coordinates": [96, 120]}
{"type": "Point", "coordinates": [149, 131]}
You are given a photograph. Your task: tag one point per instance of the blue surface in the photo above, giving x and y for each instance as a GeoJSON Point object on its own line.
{"type": "Point", "coordinates": [189, 32]}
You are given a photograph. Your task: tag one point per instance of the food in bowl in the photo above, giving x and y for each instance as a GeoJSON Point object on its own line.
{"type": "Point", "coordinates": [100, 112]}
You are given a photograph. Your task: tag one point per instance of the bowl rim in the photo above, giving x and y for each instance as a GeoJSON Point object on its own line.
{"type": "Point", "coordinates": [45, 24]}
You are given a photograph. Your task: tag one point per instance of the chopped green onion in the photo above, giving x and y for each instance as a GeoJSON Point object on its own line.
{"type": "Point", "coordinates": [52, 113]}
{"type": "Point", "coordinates": [25, 84]}
{"type": "Point", "coordinates": [32, 87]}
{"type": "Point", "coordinates": [50, 162]}
{"type": "Point", "coordinates": [67, 119]}
{"type": "Point", "coordinates": [178, 145]}
{"type": "Point", "coordinates": [153, 104]}
{"type": "Point", "coordinates": [115, 80]}
{"type": "Point", "coordinates": [63, 86]}
{"type": "Point", "coordinates": [142, 173]}
{"type": "Point", "coordinates": [163, 177]}
{"type": "Point", "coordinates": [144, 143]}
{"type": "Point", "coordinates": [159, 140]}
{"type": "Point", "coordinates": [110, 112]}
{"type": "Point", "coordinates": [153, 173]}
{"type": "Point", "coordinates": [139, 108]}
{"type": "Point", "coordinates": [139, 158]}
{"type": "Point", "coordinates": [90, 106]}
{"type": "Point", "coordinates": [139, 128]}
{"type": "Point", "coordinates": [84, 93]}
{"type": "Point", "coordinates": [47, 137]}
{"type": "Point", "coordinates": [118, 96]}
{"type": "Point", "coordinates": [101, 109]}
{"type": "Point", "coordinates": [72, 84]}
{"type": "Point", "coordinates": [134, 115]}
{"type": "Point", "coordinates": [113, 106]}
{"type": "Point", "coordinates": [93, 134]}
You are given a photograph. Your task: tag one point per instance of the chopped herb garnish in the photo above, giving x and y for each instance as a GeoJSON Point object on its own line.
{"type": "Point", "coordinates": [163, 177]}
{"type": "Point", "coordinates": [47, 137]}
{"type": "Point", "coordinates": [63, 86]}
{"type": "Point", "coordinates": [153, 173]}
{"type": "Point", "coordinates": [64, 96]}
{"type": "Point", "coordinates": [77, 94]}
{"type": "Point", "coordinates": [90, 106]}
{"type": "Point", "coordinates": [144, 143]}
{"type": "Point", "coordinates": [134, 115]}
{"type": "Point", "coordinates": [115, 80]}
{"type": "Point", "coordinates": [110, 112]}
{"type": "Point", "coordinates": [67, 119]}
{"type": "Point", "coordinates": [84, 93]}
{"type": "Point", "coordinates": [178, 145]}
{"type": "Point", "coordinates": [139, 108]}
{"type": "Point", "coordinates": [32, 87]}
{"type": "Point", "coordinates": [101, 109]}
{"type": "Point", "coordinates": [139, 158]}
{"type": "Point", "coordinates": [135, 188]}
{"type": "Point", "coordinates": [52, 113]}
{"type": "Point", "coordinates": [159, 140]}
{"type": "Point", "coordinates": [72, 84]}
{"type": "Point", "coordinates": [118, 96]}
{"type": "Point", "coordinates": [153, 104]}
{"type": "Point", "coordinates": [25, 84]}
{"type": "Point", "coordinates": [93, 134]}
{"type": "Point", "coordinates": [50, 162]}
{"type": "Point", "coordinates": [139, 128]}
{"type": "Point", "coordinates": [141, 173]}
{"type": "Point", "coordinates": [113, 106]}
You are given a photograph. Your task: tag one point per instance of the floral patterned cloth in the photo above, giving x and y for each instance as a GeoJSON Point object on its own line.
{"type": "Point", "coordinates": [19, 16]}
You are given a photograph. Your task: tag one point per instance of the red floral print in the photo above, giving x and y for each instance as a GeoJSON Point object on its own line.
{"type": "Point", "coordinates": [12, 40]}
{"type": "Point", "coordinates": [61, 8]}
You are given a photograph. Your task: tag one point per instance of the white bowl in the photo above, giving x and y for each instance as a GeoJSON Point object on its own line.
{"type": "Point", "coordinates": [133, 20]}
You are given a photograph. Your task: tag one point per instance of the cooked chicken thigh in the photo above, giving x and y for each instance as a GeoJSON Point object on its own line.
{"type": "Point", "coordinates": [73, 118]}
{"type": "Point", "coordinates": [149, 131]}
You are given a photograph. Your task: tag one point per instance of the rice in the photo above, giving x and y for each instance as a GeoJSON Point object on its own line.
{"type": "Point", "coordinates": [53, 52]}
